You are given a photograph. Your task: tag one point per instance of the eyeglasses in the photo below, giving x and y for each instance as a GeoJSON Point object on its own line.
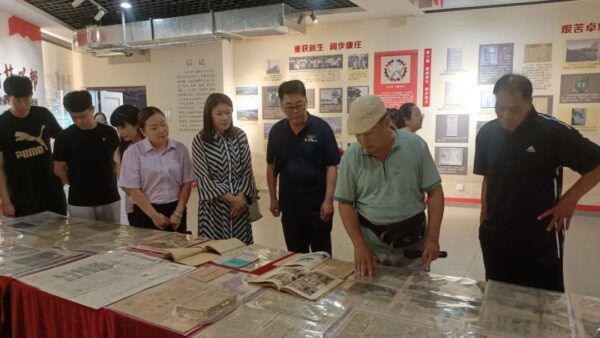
{"type": "Point", "coordinates": [290, 109]}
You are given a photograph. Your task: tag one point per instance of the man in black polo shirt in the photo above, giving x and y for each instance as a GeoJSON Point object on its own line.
{"type": "Point", "coordinates": [84, 159]}
{"type": "Point", "coordinates": [303, 152]}
{"type": "Point", "coordinates": [523, 214]}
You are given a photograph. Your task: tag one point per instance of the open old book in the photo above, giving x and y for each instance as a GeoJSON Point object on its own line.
{"type": "Point", "coordinates": [305, 276]}
{"type": "Point", "coordinates": [190, 251]}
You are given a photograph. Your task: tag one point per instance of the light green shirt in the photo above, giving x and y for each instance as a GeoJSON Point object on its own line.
{"type": "Point", "coordinates": [389, 191]}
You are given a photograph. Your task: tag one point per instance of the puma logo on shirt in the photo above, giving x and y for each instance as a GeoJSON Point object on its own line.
{"type": "Point", "coordinates": [34, 151]}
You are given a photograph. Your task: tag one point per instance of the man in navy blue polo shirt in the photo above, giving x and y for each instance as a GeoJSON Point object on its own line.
{"type": "Point", "coordinates": [524, 214]}
{"type": "Point", "coordinates": [303, 154]}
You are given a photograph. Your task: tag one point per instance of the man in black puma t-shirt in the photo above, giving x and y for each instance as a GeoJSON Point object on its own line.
{"type": "Point", "coordinates": [27, 182]}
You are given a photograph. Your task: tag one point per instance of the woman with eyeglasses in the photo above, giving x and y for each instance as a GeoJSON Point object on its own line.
{"type": "Point", "coordinates": [222, 164]}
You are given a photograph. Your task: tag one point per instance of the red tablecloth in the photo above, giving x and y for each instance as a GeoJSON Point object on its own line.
{"type": "Point", "coordinates": [5, 331]}
{"type": "Point", "coordinates": [35, 313]}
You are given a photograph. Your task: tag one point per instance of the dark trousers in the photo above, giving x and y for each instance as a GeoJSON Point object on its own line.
{"type": "Point", "coordinates": [542, 274]}
{"type": "Point", "coordinates": [306, 232]}
{"type": "Point", "coordinates": [140, 219]}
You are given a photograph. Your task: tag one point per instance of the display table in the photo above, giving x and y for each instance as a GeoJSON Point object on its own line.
{"type": "Point", "coordinates": [395, 302]}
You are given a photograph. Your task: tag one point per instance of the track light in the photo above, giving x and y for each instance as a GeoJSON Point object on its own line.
{"type": "Point", "coordinates": [300, 18]}
{"type": "Point", "coordinates": [99, 16]}
{"type": "Point", "coordinates": [314, 17]}
{"type": "Point", "coordinates": [76, 3]}
{"type": "Point", "coordinates": [125, 5]}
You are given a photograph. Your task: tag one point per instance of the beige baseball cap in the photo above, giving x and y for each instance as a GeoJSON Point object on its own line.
{"type": "Point", "coordinates": [365, 112]}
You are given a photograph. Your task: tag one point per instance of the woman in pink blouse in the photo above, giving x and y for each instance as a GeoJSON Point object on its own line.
{"type": "Point", "coordinates": [157, 173]}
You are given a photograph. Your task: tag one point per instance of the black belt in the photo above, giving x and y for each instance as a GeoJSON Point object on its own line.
{"type": "Point", "coordinates": [400, 234]}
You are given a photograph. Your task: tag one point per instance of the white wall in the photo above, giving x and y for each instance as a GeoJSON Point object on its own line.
{"type": "Point", "coordinates": [465, 29]}
{"type": "Point", "coordinates": [58, 78]}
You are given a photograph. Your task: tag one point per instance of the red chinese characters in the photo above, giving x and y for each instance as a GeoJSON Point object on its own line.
{"type": "Point", "coordinates": [579, 27]}
{"type": "Point", "coordinates": [320, 47]}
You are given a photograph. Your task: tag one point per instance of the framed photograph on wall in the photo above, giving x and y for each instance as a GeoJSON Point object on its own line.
{"type": "Point", "coordinates": [330, 100]}
{"type": "Point", "coordinates": [354, 92]}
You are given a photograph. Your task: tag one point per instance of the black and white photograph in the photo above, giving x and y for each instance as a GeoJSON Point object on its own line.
{"type": "Point", "coordinates": [488, 100]}
{"type": "Point", "coordinates": [335, 61]}
{"type": "Point", "coordinates": [354, 92]}
{"type": "Point", "coordinates": [335, 123]}
{"type": "Point", "coordinates": [270, 103]}
{"type": "Point", "coordinates": [451, 160]}
{"type": "Point", "coordinates": [452, 128]}
{"type": "Point", "coordinates": [451, 156]}
{"type": "Point", "coordinates": [330, 100]}
{"type": "Point", "coordinates": [488, 55]}
{"type": "Point", "coordinates": [583, 50]}
{"type": "Point", "coordinates": [273, 67]}
{"type": "Point", "coordinates": [310, 98]}
{"type": "Point", "coordinates": [578, 116]}
{"type": "Point", "coordinates": [358, 61]}
{"type": "Point", "coordinates": [454, 59]}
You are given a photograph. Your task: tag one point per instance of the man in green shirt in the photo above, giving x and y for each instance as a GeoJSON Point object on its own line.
{"type": "Point", "coordinates": [381, 191]}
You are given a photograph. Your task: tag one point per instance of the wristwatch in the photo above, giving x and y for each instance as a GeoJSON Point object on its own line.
{"type": "Point", "coordinates": [178, 215]}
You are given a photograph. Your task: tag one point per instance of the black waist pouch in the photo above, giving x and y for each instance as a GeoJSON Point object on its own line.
{"type": "Point", "coordinates": [401, 234]}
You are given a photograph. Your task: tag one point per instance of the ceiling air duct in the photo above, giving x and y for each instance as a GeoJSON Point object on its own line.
{"type": "Point", "coordinates": [264, 21]}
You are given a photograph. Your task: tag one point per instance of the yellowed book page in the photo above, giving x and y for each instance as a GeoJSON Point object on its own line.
{"type": "Point", "coordinates": [308, 261]}
{"type": "Point", "coordinates": [278, 277]}
{"type": "Point", "coordinates": [181, 253]}
{"type": "Point", "coordinates": [224, 245]}
{"type": "Point", "coordinates": [198, 259]}
{"type": "Point", "coordinates": [337, 268]}
{"type": "Point", "coordinates": [208, 273]}
{"type": "Point", "coordinates": [181, 304]}
{"type": "Point", "coordinates": [312, 285]}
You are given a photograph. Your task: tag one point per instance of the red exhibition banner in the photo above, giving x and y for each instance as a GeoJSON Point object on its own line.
{"type": "Point", "coordinates": [396, 75]}
{"type": "Point", "coordinates": [427, 78]}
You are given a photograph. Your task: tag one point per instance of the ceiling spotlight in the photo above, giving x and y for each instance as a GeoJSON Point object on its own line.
{"type": "Point", "coordinates": [99, 16]}
{"type": "Point", "coordinates": [125, 5]}
{"type": "Point", "coordinates": [300, 18]}
{"type": "Point", "coordinates": [76, 3]}
{"type": "Point", "coordinates": [314, 17]}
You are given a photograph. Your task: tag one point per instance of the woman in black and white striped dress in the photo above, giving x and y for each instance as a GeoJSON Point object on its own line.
{"type": "Point", "coordinates": [222, 165]}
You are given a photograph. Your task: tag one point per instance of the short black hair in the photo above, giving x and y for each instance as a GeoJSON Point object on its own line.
{"type": "Point", "coordinates": [124, 114]}
{"type": "Point", "coordinates": [291, 87]}
{"type": "Point", "coordinates": [77, 101]}
{"type": "Point", "coordinates": [515, 83]}
{"type": "Point", "coordinates": [18, 86]}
